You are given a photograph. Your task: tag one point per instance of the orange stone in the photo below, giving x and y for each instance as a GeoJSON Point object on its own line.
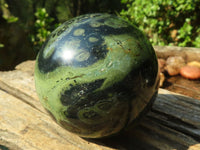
{"type": "Point", "coordinates": [190, 72]}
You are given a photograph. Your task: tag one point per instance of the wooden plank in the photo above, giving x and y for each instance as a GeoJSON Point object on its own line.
{"type": "Point", "coordinates": [188, 53]}
{"type": "Point", "coordinates": [22, 127]}
{"type": "Point", "coordinates": [173, 122]}
{"type": "Point", "coordinates": [183, 86]}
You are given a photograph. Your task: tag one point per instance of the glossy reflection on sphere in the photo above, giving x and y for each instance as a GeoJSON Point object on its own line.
{"type": "Point", "coordinates": [96, 74]}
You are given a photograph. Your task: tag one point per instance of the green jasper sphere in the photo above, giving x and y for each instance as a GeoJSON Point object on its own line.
{"type": "Point", "coordinates": [96, 74]}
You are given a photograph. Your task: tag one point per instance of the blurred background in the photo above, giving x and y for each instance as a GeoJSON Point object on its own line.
{"type": "Point", "coordinates": [25, 24]}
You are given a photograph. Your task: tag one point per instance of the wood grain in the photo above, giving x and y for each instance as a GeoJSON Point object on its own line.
{"type": "Point", "coordinates": [172, 123]}
{"type": "Point", "coordinates": [188, 53]}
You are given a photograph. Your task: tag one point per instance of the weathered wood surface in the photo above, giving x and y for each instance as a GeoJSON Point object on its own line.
{"type": "Point", "coordinates": [183, 86]}
{"type": "Point", "coordinates": [173, 122]}
{"type": "Point", "coordinates": [188, 53]}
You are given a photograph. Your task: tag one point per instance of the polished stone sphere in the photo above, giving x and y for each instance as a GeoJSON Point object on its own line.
{"type": "Point", "coordinates": [96, 74]}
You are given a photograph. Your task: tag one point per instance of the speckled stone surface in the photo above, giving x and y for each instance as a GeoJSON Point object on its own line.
{"type": "Point", "coordinates": [96, 74]}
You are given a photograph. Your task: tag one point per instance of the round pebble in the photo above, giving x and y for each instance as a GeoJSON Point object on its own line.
{"type": "Point", "coordinates": [173, 65]}
{"type": "Point", "coordinates": [172, 71]}
{"type": "Point", "coordinates": [190, 72]}
{"type": "Point", "coordinates": [194, 63]}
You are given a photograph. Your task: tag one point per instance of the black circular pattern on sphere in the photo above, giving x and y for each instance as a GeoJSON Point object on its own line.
{"type": "Point", "coordinates": [96, 74]}
{"type": "Point", "coordinates": [89, 37]}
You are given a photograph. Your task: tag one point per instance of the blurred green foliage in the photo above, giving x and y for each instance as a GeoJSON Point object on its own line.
{"type": "Point", "coordinates": [42, 27]}
{"type": "Point", "coordinates": [166, 22]}
{"type": "Point", "coordinates": [6, 14]}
